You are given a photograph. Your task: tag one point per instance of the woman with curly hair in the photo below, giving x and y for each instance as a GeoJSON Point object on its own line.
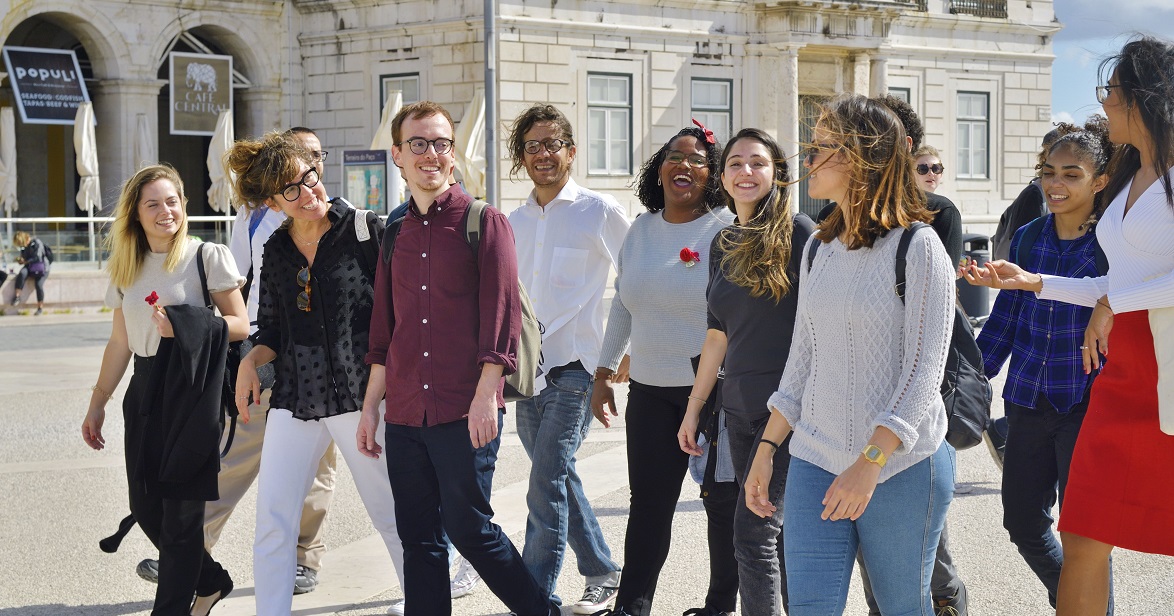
{"type": "Point", "coordinates": [870, 469]}
{"type": "Point", "coordinates": [659, 310]}
{"type": "Point", "coordinates": [751, 298]}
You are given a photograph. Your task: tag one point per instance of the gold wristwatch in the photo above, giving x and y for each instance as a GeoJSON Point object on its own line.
{"type": "Point", "coordinates": [873, 454]}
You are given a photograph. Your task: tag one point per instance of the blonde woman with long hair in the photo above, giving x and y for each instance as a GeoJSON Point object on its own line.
{"type": "Point", "coordinates": [158, 301]}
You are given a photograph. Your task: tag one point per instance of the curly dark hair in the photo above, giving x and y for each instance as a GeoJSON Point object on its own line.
{"type": "Point", "coordinates": [1145, 79]}
{"type": "Point", "coordinates": [913, 128]}
{"type": "Point", "coordinates": [651, 195]}
{"type": "Point", "coordinates": [516, 142]}
{"type": "Point", "coordinates": [1090, 144]}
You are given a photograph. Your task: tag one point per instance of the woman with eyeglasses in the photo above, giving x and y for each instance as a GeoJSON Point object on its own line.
{"type": "Point", "coordinates": [870, 469]}
{"type": "Point", "coordinates": [316, 293]}
{"type": "Point", "coordinates": [927, 162]}
{"type": "Point", "coordinates": [172, 429]}
{"type": "Point", "coordinates": [658, 315]}
{"type": "Point", "coordinates": [1119, 485]}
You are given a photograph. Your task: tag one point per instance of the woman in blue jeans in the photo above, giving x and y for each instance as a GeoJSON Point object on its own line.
{"type": "Point", "coordinates": [869, 465]}
{"type": "Point", "coordinates": [751, 299]}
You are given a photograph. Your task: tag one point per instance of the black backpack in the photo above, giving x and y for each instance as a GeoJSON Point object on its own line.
{"type": "Point", "coordinates": [965, 389]}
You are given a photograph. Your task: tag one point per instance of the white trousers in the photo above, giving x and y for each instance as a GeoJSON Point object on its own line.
{"type": "Point", "coordinates": [289, 460]}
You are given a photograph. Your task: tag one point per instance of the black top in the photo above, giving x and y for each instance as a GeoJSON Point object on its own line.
{"type": "Point", "coordinates": [320, 364]}
{"type": "Point", "coordinates": [758, 330]}
{"type": "Point", "coordinates": [33, 252]}
{"type": "Point", "coordinates": [947, 223]}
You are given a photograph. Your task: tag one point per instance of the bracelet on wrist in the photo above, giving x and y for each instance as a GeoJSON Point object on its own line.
{"type": "Point", "coordinates": [1106, 305]}
{"type": "Point", "coordinates": [604, 373]}
{"type": "Point", "coordinates": [102, 392]}
{"type": "Point", "coordinates": [701, 400]}
{"type": "Point", "coordinates": [771, 443]}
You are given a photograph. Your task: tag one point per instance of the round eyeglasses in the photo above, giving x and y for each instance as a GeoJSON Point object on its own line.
{"type": "Point", "coordinates": [290, 192]}
{"type": "Point", "coordinates": [695, 161]}
{"type": "Point", "coordinates": [419, 145]}
{"type": "Point", "coordinates": [1104, 91]}
{"type": "Point", "coordinates": [553, 146]}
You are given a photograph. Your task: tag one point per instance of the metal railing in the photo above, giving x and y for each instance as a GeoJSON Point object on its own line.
{"type": "Point", "coordinates": [79, 239]}
{"type": "Point", "coordinates": [979, 8]}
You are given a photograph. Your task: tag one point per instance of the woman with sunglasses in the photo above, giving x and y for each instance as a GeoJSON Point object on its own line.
{"type": "Point", "coordinates": [1119, 485]}
{"type": "Point", "coordinates": [869, 465]}
{"type": "Point", "coordinates": [313, 319]}
{"type": "Point", "coordinates": [158, 300]}
{"type": "Point", "coordinates": [927, 162]}
{"type": "Point", "coordinates": [659, 310]}
{"type": "Point", "coordinates": [751, 298]}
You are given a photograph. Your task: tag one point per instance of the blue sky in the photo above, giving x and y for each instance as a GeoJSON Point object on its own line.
{"type": "Point", "coordinates": [1093, 30]}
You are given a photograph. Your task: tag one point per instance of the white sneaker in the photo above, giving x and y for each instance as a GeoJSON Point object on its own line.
{"type": "Point", "coordinates": [595, 598]}
{"type": "Point", "coordinates": [465, 580]}
{"type": "Point", "coordinates": [396, 608]}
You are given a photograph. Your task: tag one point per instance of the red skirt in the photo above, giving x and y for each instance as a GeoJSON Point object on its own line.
{"type": "Point", "coordinates": [1121, 483]}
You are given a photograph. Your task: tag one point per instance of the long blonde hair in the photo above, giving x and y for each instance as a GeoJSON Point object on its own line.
{"type": "Point", "coordinates": [126, 240]}
{"type": "Point", "coordinates": [882, 192]}
{"type": "Point", "coordinates": [756, 254]}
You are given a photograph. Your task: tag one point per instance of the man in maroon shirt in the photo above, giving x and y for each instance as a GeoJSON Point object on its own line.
{"type": "Point", "coordinates": [444, 329]}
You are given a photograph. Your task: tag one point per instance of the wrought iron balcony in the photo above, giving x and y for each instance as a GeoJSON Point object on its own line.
{"type": "Point", "coordinates": [979, 8]}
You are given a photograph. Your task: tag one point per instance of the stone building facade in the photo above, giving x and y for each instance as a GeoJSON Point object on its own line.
{"type": "Point", "coordinates": [629, 73]}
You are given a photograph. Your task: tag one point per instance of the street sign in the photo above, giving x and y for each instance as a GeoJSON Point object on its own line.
{"type": "Point", "coordinates": [365, 179]}
{"type": "Point", "coordinates": [47, 83]}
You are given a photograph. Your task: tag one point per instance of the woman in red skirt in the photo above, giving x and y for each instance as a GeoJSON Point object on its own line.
{"type": "Point", "coordinates": [1120, 485]}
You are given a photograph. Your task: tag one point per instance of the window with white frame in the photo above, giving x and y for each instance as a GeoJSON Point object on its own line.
{"type": "Point", "coordinates": [609, 124]}
{"type": "Point", "coordinates": [901, 93]}
{"type": "Point", "coordinates": [713, 106]}
{"type": "Point", "coordinates": [974, 121]}
{"type": "Point", "coordinates": [408, 85]}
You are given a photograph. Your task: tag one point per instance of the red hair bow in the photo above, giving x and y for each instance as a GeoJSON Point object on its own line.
{"type": "Point", "coordinates": [708, 133]}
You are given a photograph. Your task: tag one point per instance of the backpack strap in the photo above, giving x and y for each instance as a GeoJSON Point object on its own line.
{"type": "Point", "coordinates": [208, 303]}
{"type": "Point", "coordinates": [473, 220]}
{"type": "Point", "coordinates": [902, 250]}
{"type": "Point", "coordinates": [811, 250]}
{"type": "Point", "coordinates": [1031, 233]}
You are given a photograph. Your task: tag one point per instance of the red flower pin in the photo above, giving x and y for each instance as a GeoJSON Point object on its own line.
{"type": "Point", "coordinates": [690, 257]}
{"type": "Point", "coordinates": [152, 298]}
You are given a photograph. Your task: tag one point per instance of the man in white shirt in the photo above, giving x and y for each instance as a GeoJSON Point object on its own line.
{"type": "Point", "coordinates": [568, 239]}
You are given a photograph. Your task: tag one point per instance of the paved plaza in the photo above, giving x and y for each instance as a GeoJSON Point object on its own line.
{"type": "Point", "coordinates": [61, 497]}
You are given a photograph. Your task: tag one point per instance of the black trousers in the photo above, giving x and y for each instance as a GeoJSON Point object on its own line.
{"type": "Point", "coordinates": [174, 526]}
{"type": "Point", "coordinates": [656, 468]}
{"type": "Point", "coordinates": [38, 282]}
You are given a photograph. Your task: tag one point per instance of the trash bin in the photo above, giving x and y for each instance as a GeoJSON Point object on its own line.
{"type": "Point", "coordinates": [975, 300]}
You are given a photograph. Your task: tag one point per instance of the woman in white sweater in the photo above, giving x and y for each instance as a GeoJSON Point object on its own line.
{"type": "Point", "coordinates": [869, 464]}
{"type": "Point", "coordinates": [659, 309]}
{"type": "Point", "coordinates": [1119, 485]}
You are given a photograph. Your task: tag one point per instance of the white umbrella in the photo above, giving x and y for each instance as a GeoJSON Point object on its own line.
{"type": "Point", "coordinates": [8, 163]}
{"type": "Point", "coordinates": [470, 148]}
{"type": "Point", "coordinates": [220, 194]}
{"type": "Point", "coordinates": [144, 151]}
{"type": "Point", "coordinates": [85, 148]}
{"type": "Point", "coordinates": [382, 140]}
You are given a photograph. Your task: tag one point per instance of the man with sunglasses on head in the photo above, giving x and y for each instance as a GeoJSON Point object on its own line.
{"type": "Point", "coordinates": [568, 240]}
{"type": "Point", "coordinates": [949, 593]}
{"type": "Point", "coordinates": [445, 328]}
{"type": "Point", "coordinates": [238, 468]}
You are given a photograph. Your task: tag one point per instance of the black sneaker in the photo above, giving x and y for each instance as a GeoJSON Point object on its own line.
{"type": "Point", "coordinates": [996, 439]}
{"type": "Point", "coordinates": [952, 606]}
{"type": "Point", "coordinates": [305, 580]}
{"type": "Point", "coordinates": [149, 570]}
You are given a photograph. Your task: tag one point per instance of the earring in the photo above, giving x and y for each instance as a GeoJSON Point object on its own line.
{"type": "Point", "coordinates": [658, 181]}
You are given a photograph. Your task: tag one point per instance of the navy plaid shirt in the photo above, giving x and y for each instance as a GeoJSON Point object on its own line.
{"type": "Point", "coordinates": [1042, 337]}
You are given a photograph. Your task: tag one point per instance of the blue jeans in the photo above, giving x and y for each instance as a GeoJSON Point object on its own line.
{"type": "Point", "coordinates": [441, 486]}
{"type": "Point", "coordinates": [898, 534]}
{"type": "Point", "coordinates": [552, 426]}
{"type": "Point", "coordinates": [1040, 442]}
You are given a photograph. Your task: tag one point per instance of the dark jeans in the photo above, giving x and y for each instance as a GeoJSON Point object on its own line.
{"type": "Point", "coordinates": [758, 542]}
{"type": "Point", "coordinates": [175, 527]}
{"type": "Point", "coordinates": [656, 468]}
{"type": "Point", "coordinates": [38, 282]}
{"type": "Point", "coordinates": [1040, 443]}
{"type": "Point", "coordinates": [441, 486]}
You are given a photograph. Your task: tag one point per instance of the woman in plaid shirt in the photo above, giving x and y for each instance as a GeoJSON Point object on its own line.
{"type": "Point", "coordinates": [1046, 392]}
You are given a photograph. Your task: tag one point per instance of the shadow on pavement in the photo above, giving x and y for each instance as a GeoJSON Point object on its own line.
{"type": "Point", "coordinates": [58, 609]}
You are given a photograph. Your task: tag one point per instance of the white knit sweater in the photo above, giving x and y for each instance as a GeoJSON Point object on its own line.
{"type": "Point", "coordinates": [860, 359]}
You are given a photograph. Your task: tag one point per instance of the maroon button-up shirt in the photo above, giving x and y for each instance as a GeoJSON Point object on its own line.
{"type": "Point", "coordinates": [441, 311]}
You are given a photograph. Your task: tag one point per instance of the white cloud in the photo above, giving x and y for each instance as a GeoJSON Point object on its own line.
{"type": "Point", "coordinates": [1063, 116]}
{"type": "Point", "coordinates": [1094, 19]}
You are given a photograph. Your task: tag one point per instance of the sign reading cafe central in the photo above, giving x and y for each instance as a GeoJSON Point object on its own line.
{"type": "Point", "coordinates": [201, 87]}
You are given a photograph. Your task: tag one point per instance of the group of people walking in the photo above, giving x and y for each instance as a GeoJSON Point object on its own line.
{"type": "Point", "coordinates": [765, 353]}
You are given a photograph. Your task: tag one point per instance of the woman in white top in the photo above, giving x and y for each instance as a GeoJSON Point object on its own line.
{"type": "Point", "coordinates": [869, 465]}
{"type": "Point", "coordinates": [151, 256]}
{"type": "Point", "coordinates": [1119, 484]}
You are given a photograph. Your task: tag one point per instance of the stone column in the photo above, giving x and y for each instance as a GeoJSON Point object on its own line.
{"type": "Point", "coordinates": [260, 111]}
{"type": "Point", "coordinates": [860, 73]}
{"type": "Point", "coordinates": [764, 91]}
{"type": "Point", "coordinates": [879, 77]}
{"type": "Point", "coordinates": [117, 105]}
{"type": "Point", "coordinates": [789, 110]}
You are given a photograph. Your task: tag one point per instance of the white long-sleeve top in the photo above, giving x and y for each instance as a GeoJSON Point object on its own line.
{"type": "Point", "coordinates": [247, 251]}
{"type": "Point", "coordinates": [565, 254]}
{"type": "Point", "coordinates": [1140, 252]}
{"type": "Point", "coordinates": [861, 359]}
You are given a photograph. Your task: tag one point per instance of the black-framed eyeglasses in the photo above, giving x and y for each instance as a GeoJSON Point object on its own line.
{"type": "Point", "coordinates": [936, 168]}
{"type": "Point", "coordinates": [815, 150]}
{"type": "Point", "coordinates": [304, 295]}
{"type": "Point", "coordinates": [553, 146]}
{"type": "Point", "coordinates": [419, 145]}
{"type": "Point", "coordinates": [320, 155]}
{"type": "Point", "coordinates": [1104, 91]}
{"type": "Point", "coordinates": [290, 192]}
{"type": "Point", "coordinates": [695, 161]}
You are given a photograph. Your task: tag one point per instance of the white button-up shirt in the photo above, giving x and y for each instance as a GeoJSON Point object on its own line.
{"type": "Point", "coordinates": [247, 250]}
{"type": "Point", "coordinates": [566, 252]}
